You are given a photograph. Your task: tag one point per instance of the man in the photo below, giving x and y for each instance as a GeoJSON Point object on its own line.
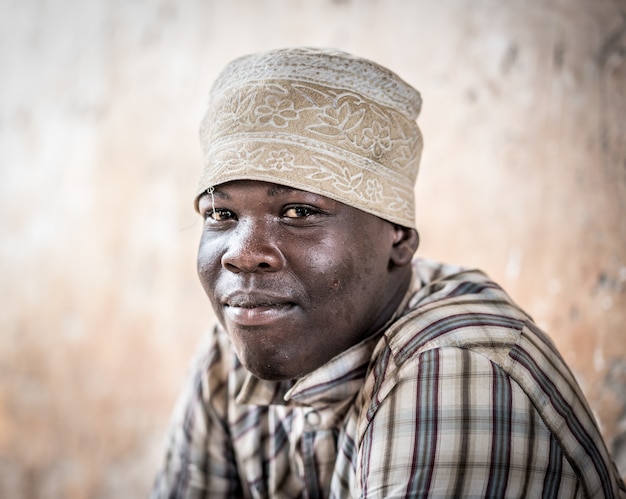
{"type": "Point", "coordinates": [341, 366]}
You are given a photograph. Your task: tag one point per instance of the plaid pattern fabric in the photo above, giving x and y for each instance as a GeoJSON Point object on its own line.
{"type": "Point", "coordinates": [461, 395]}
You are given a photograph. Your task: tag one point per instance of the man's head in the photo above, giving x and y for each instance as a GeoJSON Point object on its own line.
{"type": "Point", "coordinates": [307, 196]}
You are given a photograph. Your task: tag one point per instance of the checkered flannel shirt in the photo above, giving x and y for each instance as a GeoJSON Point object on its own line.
{"type": "Point", "coordinates": [461, 395]}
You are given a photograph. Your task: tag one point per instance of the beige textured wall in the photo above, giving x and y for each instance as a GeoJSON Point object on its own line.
{"type": "Point", "coordinates": [524, 175]}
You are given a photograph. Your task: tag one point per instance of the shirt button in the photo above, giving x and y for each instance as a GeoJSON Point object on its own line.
{"type": "Point", "coordinates": [313, 418]}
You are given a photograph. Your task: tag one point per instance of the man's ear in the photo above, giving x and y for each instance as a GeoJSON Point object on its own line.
{"type": "Point", "coordinates": [405, 245]}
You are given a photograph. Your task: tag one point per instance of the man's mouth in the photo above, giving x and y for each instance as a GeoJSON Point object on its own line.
{"type": "Point", "coordinates": [256, 309]}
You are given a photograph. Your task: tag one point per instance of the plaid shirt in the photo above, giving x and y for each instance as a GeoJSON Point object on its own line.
{"type": "Point", "coordinates": [460, 395]}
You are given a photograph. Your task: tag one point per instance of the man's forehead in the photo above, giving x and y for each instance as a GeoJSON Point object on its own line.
{"type": "Point", "coordinates": [272, 190]}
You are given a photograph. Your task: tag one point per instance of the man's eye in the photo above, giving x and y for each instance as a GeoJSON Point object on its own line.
{"type": "Point", "coordinates": [218, 214]}
{"type": "Point", "coordinates": [299, 212]}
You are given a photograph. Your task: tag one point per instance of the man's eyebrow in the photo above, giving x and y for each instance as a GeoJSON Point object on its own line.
{"type": "Point", "coordinates": [275, 190]}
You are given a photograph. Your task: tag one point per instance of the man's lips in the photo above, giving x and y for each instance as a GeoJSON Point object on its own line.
{"type": "Point", "coordinates": [256, 309]}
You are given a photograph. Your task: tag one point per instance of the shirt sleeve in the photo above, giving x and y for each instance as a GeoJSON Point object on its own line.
{"type": "Point", "coordinates": [456, 425]}
{"type": "Point", "coordinates": [199, 461]}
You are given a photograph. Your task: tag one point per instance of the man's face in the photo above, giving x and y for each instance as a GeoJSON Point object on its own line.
{"type": "Point", "coordinates": [294, 277]}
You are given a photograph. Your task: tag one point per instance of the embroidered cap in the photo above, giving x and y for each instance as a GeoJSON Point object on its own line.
{"type": "Point", "coordinates": [319, 120]}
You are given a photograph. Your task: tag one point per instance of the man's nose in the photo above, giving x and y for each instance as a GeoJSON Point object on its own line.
{"type": "Point", "coordinates": [253, 248]}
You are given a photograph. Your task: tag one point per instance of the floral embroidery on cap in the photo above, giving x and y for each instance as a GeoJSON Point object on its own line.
{"type": "Point", "coordinates": [276, 112]}
{"type": "Point", "coordinates": [280, 160]}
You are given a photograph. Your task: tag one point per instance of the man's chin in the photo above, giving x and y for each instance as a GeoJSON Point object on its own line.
{"type": "Point", "coordinates": [274, 371]}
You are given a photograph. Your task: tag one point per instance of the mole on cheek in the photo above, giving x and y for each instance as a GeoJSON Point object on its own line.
{"type": "Point", "coordinates": [335, 284]}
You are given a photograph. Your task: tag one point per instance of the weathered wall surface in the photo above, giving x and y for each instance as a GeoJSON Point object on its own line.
{"type": "Point", "coordinates": [524, 175]}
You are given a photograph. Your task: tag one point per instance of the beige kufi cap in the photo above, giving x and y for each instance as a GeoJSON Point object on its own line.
{"type": "Point", "coordinates": [318, 120]}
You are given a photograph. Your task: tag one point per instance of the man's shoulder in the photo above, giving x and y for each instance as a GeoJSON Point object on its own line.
{"type": "Point", "coordinates": [460, 330]}
{"type": "Point", "coordinates": [452, 306]}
